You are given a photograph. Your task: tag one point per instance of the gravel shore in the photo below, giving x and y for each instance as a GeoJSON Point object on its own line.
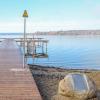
{"type": "Point", "coordinates": [47, 78]}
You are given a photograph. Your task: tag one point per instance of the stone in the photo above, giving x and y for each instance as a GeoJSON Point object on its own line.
{"type": "Point", "coordinates": [77, 86]}
{"type": "Point", "coordinates": [61, 97]}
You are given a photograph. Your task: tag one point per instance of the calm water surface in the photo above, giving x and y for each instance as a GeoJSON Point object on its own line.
{"type": "Point", "coordinates": [79, 52]}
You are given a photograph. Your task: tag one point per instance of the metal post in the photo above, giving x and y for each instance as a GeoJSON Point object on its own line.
{"type": "Point", "coordinates": [25, 15]}
{"type": "Point", "coordinates": [24, 42]}
{"type": "Point", "coordinates": [46, 48]}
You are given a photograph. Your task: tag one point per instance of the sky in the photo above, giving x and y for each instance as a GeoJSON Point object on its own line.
{"type": "Point", "coordinates": [49, 15]}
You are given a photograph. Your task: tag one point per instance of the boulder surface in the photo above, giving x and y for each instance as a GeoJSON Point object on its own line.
{"type": "Point", "coordinates": [77, 86]}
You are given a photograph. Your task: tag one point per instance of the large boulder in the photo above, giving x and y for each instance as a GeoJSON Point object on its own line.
{"type": "Point", "coordinates": [77, 86]}
{"type": "Point", "coordinates": [61, 97]}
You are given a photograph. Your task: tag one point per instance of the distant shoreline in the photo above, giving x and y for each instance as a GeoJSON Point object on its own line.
{"type": "Point", "coordinates": [70, 32]}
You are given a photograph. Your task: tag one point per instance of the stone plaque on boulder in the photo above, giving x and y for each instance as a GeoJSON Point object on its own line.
{"type": "Point", "coordinates": [77, 86]}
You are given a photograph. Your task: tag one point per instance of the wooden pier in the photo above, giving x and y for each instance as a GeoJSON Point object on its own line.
{"type": "Point", "coordinates": [32, 45]}
{"type": "Point", "coordinates": [16, 82]}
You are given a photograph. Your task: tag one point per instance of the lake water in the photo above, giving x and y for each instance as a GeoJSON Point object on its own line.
{"type": "Point", "coordinates": [76, 52]}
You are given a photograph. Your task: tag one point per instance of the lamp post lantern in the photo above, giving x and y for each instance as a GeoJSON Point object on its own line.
{"type": "Point", "coordinates": [25, 16]}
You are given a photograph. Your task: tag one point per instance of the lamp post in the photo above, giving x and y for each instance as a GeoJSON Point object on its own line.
{"type": "Point", "coordinates": [25, 16]}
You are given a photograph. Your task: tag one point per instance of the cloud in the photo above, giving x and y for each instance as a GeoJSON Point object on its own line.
{"type": "Point", "coordinates": [94, 5]}
{"type": "Point", "coordinates": [96, 11]}
{"type": "Point", "coordinates": [8, 27]}
{"type": "Point", "coordinates": [11, 27]}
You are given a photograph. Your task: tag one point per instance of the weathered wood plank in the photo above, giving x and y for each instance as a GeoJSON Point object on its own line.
{"type": "Point", "coordinates": [16, 83]}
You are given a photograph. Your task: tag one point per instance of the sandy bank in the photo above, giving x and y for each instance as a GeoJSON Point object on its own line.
{"type": "Point", "coordinates": [47, 79]}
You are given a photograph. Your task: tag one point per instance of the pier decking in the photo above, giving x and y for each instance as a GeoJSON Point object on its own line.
{"type": "Point", "coordinates": [16, 83]}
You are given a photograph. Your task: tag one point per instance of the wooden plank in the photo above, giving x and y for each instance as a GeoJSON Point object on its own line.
{"type": "Point", "coordinates": [16, 83]}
